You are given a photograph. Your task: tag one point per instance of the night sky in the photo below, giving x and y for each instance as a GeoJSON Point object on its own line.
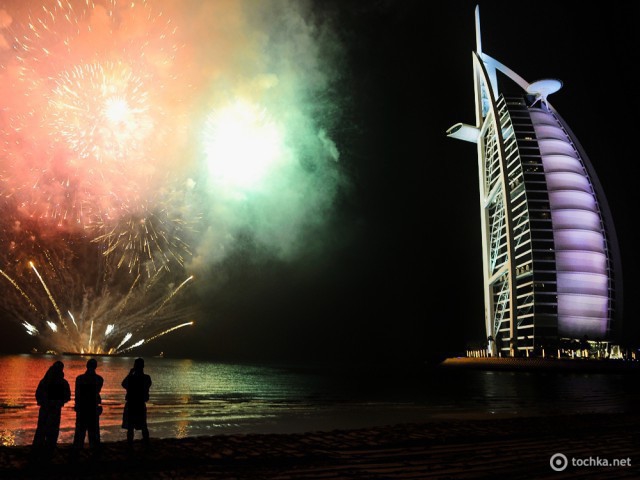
{"type": "Point", "coordinates": [395, 274]}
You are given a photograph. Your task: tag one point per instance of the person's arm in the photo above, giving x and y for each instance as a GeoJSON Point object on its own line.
{"type": "Point", "coordinates": [99, 383]}
{"type": "Point", "coordinates": [67, 392]}
{"type": "Point", "coordinates": [75, 395]}
{"type": "Point", "coordinates": [147, 386]}
{"type": "Point", "coordinates": [40, 394]}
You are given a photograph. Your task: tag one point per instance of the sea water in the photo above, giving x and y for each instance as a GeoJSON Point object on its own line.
{"type": "Point", "coordinates": [196, 397]}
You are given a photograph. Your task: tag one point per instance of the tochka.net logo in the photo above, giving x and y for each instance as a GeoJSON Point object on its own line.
{"type": "Point", "coordinates": [559, 462]}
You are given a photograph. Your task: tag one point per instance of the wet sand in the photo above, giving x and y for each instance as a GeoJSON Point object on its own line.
{"type": "Point", "coordinates": [490, 448]}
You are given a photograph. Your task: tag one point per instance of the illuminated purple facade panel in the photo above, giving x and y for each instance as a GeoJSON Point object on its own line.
{"type": "Point", "coordinates": [581, 282]}
{"type": "Point", "coordinates": [579, 242]}
{"type": "Point", "coordinates": [549, 131]}
{"type": "Point", "coordinates": [568, 181]}
{"type": "Point", "coordinates": [556, 147]}
{"type": "Point", "coordinates": [577, 326]}
{"type": "Point", "coordinates": [588, 262]}
{"type": "Point", "coordinates": [562, 163]}
{"type": "Point", "coordinates": [563, 199]}
{"type": "Point", "coordinates": [591, 306]}
{"type": "Point", "coordinates": [576, 219]}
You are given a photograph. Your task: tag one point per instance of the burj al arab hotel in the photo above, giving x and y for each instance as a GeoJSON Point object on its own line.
{"type": "Point", "coordinates": [551, 263]}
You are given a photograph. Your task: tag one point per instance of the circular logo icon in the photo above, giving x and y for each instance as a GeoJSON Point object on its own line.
{"type": "Point", "coordinates": [558, 462]}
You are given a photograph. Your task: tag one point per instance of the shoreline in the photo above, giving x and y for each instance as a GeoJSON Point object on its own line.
{"type": "Point", "coordinates": [542, 364]}
{"type": "Point", "coordinates": [520, 447]}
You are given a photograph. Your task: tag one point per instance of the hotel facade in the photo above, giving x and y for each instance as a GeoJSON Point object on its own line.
{"type": "Point", "coordinates": [551, 264]}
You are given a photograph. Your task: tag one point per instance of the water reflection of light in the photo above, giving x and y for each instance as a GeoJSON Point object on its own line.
{"type": "Point", "coordinates": [183, 418]}
{"type": "Point", "coordinates": [7, 438]}
{"type": "Point", "coordinates": [182, 429]}
{"type": "Point", "coordinates": [15, 400]}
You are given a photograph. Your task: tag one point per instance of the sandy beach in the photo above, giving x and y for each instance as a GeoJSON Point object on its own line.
{"type": "Point", "coordinates": [516, 447]}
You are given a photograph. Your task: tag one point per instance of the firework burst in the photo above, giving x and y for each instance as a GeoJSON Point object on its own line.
{"type": "Point", "coordinates": [134, 153]}
{"type": "Point", "coordinates": [145, 239]}
{"type": "Point", "coordinates": [94, 239]}
{"type": "Point", "coordinates": [91, 128]}
{"type": "Point", "coordinates": [64, 291]}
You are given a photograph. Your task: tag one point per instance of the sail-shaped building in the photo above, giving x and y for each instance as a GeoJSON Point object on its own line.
{"type": "Point", "coordinates": [551, 263]}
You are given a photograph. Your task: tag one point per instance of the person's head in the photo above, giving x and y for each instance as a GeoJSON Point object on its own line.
{"type": "Point", "coordinates": [56, 369]}
{"type": "Point", "coordinates": [92, 364]}
{"type": "Point", "coordinates": [138, 364]}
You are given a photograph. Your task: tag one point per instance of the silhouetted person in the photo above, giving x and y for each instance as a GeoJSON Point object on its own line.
{"type": "Point", "coordinates": [134, 417]}
{"type": "Point", "coordinates": [88, 406]}
{"type": "Point", "coordinates": [52, 393]}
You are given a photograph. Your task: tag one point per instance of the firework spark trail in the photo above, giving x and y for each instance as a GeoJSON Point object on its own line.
{"type": "Point", "coordinates": [123, 303]}
{"type": "Point", "coordinates": [171, 295]}
{"type": "Point", "coordinates": [168, 330]}
{"type": "Point", "coordinates": [53, 300]}
{"type": "Point", "coordinates": [73, 320]}
{"type": "Point", "coordinates": [89, 345]}
{"type": "Point", "coordinates": [147, 237]}
{"type": "Point", "coordinates": [17, 287]}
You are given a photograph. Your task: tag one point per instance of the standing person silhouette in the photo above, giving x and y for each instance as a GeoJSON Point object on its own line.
{"type": "Point", "coordinates": [134, 417]}
{"type": "Point", "coordinates": [52, 393]}
{"type": "Point", "coordinates": [88, 406]}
